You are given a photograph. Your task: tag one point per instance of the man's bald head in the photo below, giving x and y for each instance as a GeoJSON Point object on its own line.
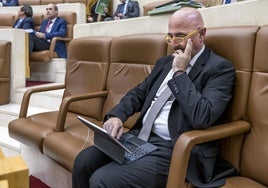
{"type": "Point", "coordinates": [187, 17]}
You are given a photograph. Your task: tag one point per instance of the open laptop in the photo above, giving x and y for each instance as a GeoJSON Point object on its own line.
{"type": "Point", "coordinates": [125, 150]}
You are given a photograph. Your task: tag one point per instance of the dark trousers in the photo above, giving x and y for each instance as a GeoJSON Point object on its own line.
{"type": "Point", "coordinates": [94, 169]}
{"type": "Point", "coordinates": [37, 44]}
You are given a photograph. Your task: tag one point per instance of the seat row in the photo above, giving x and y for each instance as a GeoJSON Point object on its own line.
{"type": "Point", "coordinates": [100, 70]}
{"type": "Point", "coordinates": [45, 2]}
{"type": "Point", "coordinates": [5, 59]}
{"type": "Point", "coordinates": [7, 21]}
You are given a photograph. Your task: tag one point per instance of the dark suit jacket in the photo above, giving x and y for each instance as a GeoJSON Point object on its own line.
{"type": "Point", "coordinates": [27, 23]}
{"type": "Point", "coordinates": [10, 3]}
{"type": "Point", "coordinates": [59, 29]}
{"type": "Point", "coordinates": [200, 98]}
{"type": "Point", "coordinates": [133, 10]}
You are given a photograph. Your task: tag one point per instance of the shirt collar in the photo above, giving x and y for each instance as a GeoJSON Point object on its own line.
{"type": "Point", "coordinates": [196, 56]}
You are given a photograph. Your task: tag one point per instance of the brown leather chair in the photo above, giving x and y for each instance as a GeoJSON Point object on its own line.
{"type": "Point", "coordinates": [6, 20]}
{"type": "Point", "coordinates": [47, 55]}
{"type": "Point", "coordinates": [30, 2]}
{"type": "Point", "coordinates": [254, 153]}
{"type": "Point", "coordinates": [5, 64]}
{"type": "Point", "coordinates": [61, 136]}
{"type": "Point", "coordinates": [88, 61]}
{"type": "Point", "coordinates": [38, 18]}
{"type": "Point", "coordinates": [46, 2]}
{"type": "Point", "coordinates": [236, 44]}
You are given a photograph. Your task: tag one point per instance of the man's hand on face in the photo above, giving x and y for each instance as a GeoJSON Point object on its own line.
{"type": "Point", "coordinates": [182, 58]}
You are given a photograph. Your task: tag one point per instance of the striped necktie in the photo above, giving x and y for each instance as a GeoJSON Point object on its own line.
{"type": "Point", "coordinates": [47, 27]}
{"type": "Point", "coordinates": [153, 113]}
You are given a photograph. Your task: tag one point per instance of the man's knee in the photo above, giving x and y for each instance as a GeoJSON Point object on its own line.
{"type": "Point", "coordinates": [98, 180]}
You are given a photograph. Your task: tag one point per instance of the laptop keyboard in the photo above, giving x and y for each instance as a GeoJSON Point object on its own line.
{"type": "Point", "coordinates": [137, 151]}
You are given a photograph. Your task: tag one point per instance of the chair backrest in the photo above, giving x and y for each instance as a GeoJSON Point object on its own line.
{"type": "Point", "coordinates": [86, 72]}
{"type": "Point", "coordinates": [46, 2]}
{"type": "Point", "coordinates": [5, 56]}
{"type": "Point", "coordinates": [254, 157]}
{"type": "Point", "coordinates": [30, 2]}
{"type": "Point", "coordinates": [38, 18]}
{"type": "Point", "coordinates": [132, 59]}
{"type": "Point", "coordinates": [236, 44]}
{"type": "Point", "coordinates": [70, 17]}
{"type": "Point", "coordinates": [6, 20]}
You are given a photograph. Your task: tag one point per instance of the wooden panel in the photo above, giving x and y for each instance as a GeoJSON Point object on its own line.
{"type": "Point", "coordinates": [1, 154]}
{"type": "Point", "coordinates": [15, 170]}
{"type": "Point", "coordinates": [3, 183]}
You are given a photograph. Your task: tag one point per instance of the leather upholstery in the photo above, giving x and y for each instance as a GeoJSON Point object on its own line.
{"type": "Point", "coordinates": [6, 20]}
{"type": "Point", "coordinates": [81, 72]}
{"type": "Point", "coordinates": [254, 154]}
{"type": "Point", "coordinates": [30, 2]}
{"type": "Point", "coordinates": [107, 72]}
{"type": "Point", "coordinates": [45, 2]}
{"type": "Point", "coordinates": [5, 56]}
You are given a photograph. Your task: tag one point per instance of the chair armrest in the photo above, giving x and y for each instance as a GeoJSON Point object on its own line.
{"type": "Point", "coordinates": [27, 95]}
{"type": "Point", "coordinates": [185, 143]}
{"type": "Point", "coordinates": [68, 100]}
{"type": "Point", "coordinates": [5, 79]}
{"type": "Point", "coordinates": [53, 44]}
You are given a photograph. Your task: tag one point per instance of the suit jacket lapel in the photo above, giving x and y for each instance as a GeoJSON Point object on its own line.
{"type": "Point", "coordinates": [198, 66]}
{"type": "Point", "coordinates": [54, 24]}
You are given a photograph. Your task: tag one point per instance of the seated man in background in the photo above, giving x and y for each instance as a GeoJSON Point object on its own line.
{"type": "Point", "coordinates": [25, 19]}
{"type": "Point", "coordinates": [6, 3]}
{"type": "Point", "coordinates": [127, 9]}
{"type": "Point", "coordinates": [92, 16]}
{"type": "Point", "coordinates": [52, 27]}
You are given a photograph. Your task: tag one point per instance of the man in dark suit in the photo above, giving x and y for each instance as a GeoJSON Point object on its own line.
{"type": "Point", "coordinates": [6, 3]}
{"type": "Point", "coordinates": [25, 20]}
{"type": "Point", "coordinates": [201, 85]}
{"type": "Point", "coordinates": [127, 9]}
{"type": "Point", "coordinates": [52, 27]}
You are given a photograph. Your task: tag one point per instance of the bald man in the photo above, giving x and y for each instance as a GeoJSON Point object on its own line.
{"type": "Point", "coordinates": [201, 85]}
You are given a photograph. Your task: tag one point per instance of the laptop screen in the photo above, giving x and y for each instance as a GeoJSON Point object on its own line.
{"type": "Point", "coordinates": [102, 132]}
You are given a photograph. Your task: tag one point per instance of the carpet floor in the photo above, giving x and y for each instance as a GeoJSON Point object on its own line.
{"type": "Point", "coordinates": [35, 83]}
{"type": "Point", "coordinates": [36, 183]}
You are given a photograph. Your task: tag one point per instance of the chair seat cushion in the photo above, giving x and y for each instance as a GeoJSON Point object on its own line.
{"type": "Point", "coordinates": [242, 182]}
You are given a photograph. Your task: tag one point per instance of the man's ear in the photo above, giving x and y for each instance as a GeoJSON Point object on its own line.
{"type": "Point", "coordinates": [203, 33]}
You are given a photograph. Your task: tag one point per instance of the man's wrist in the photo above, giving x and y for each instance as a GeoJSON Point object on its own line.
{"type": "Point", "coordinates": [178, 72]}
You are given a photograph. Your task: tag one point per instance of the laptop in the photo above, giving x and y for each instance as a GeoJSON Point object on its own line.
{"type": "Point", "coordinates": [125, 150]}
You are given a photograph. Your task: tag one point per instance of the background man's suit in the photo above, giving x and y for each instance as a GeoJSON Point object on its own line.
{"type": "Point", "coordinates": [132, 11]}
{"type": "Point", "coordinates": [212, 76]}
{"type": "Point", "coordinates": [9, 3]}
{"type": "Point", "coordinates": [27, 23]}
{"type": "Point", "coordinates": [59, 29]}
